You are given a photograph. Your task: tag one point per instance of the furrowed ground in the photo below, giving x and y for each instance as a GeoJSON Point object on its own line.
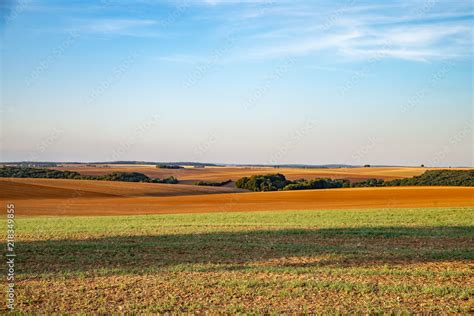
{"type": "Point", "coordinates": [53, 197]}
{"type": "Point", "coordinates": [380, 260]}
{"type": "Point", "coordinates": [190, 175]}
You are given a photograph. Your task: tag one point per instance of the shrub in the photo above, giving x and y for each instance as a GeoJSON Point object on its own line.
{"type": "Point", "coordinates": [369, 183]}
{"type": "Point", "coordinates": [28, 172]}
{"type": "Point", "coordinates": [429, 178]}
{"type": "Point", "coordinates": [212, 184]}
{"type": "Point", "coordinates": [269, 182]}
{"type": "Point", "coordinates": [278, 182]}
{"type": "Point", "coordinates": [169, 180]}
{"type": "Point", "coordinates": [317, 184]}
{"type": "Point", "coordinates": [169, 166]}
{"type": "Point", "coordinates": [438, 178]}
{"type": "Point", "coordinates": [126, 177]}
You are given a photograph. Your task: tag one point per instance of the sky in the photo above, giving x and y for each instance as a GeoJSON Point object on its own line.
{"type": "Point", "coordinates": [238, 81]}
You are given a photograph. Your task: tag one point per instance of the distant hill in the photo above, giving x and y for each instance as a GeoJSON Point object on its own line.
{"type": "Point", "coordinates": [200, 164]}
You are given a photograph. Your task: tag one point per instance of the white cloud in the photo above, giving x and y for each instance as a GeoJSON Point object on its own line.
{"type": "Point", "coordinates": [183, 59]}
{"type": "Point", "coordinates": [358, 32]}
{"type": "Point", "coordinates": [305, 46]}
{"type": "Point", "coordinates": [401, 29]}
{"type": "Point", "coordinates": [117, 26]}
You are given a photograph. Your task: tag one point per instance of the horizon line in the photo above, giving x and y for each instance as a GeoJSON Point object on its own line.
{"type": "Point", "coordinates": [137, 162]}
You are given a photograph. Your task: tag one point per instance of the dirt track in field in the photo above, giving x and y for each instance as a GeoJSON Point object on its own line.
{"type": "Point", "coordinates": [189, 175]}
{"type": "Point", "coordinates": [354, 198]}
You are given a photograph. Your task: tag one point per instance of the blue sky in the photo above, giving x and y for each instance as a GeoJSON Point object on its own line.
{"type": "Point", "coordinates": [256, 81]}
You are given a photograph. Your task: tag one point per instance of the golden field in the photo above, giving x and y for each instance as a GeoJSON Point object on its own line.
{"type": "Point", "coordinates": [86, 197]}
{"type": "Point", "coordinates": [106, 247]}
{"type": "Point", "coordinates": [189, 174]}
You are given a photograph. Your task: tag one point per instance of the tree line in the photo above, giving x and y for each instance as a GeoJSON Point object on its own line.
{"type": "Point", "coordinates": [269, 182]}
{"type": "Point", "coordinates": [27, 172]}
{"type": "Point", "coordinates": [276, 182]}
{"type": "Point", "coordinates": [212, 184]}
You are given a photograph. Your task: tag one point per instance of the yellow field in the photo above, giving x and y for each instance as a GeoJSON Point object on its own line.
{"type": "Point", "coordinates": [188, 175]}
{"type": "Point", "coordinates": [61, 188]}
{"type": "Point", "coordinates": [81, 197]}
{"type": "Point", "coordinates": [351, 250]}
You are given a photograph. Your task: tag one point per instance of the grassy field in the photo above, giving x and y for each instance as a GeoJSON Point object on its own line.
{"type": "Point", "coordinates": [376, 260]}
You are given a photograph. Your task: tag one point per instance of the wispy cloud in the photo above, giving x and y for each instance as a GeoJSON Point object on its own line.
{"type": "Point", "coordinates": [304, 46]}
{"type": "Point", "coordinates": [183, 59]}
{"type": "Point", "coordinates": [416, 30]}
{"type": "Point", "coordinates": [357, 32]}
{"type": "Point", "coordinates": [131, 27]}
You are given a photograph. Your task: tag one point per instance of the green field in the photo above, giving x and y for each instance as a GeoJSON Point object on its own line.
{"type": "Point", "coordinates": [282, 262]}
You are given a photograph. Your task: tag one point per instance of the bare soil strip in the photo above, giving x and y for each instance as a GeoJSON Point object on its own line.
{"type": "Point", "coordinates": [17, 188]}
{"type": "Point", "coordinates": [354, 198]}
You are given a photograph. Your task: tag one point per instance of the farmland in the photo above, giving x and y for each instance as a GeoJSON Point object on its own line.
{"type": "Point", "coordinates": [86, 246]}
{"type": "Point", "coordinates": [96, 199]}
{"type": "Point", "coordinates": [90, 197]}
{"type": "Point", "coordinates": [237, 157]}
{"type": "Point", "coordinates": [377, 260]}
{"type": "Point", "coordinates": [190, 175]}
{"type": "Point", "coordinates": [60, 188]}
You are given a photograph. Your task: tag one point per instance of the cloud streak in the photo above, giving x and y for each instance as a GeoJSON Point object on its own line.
{"type": "Point", "coordinates": [109, 26]}
{"type": "Point", "coordinates": [359, 35]}
{"type": "Point", "coordinates": [416, 31]}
